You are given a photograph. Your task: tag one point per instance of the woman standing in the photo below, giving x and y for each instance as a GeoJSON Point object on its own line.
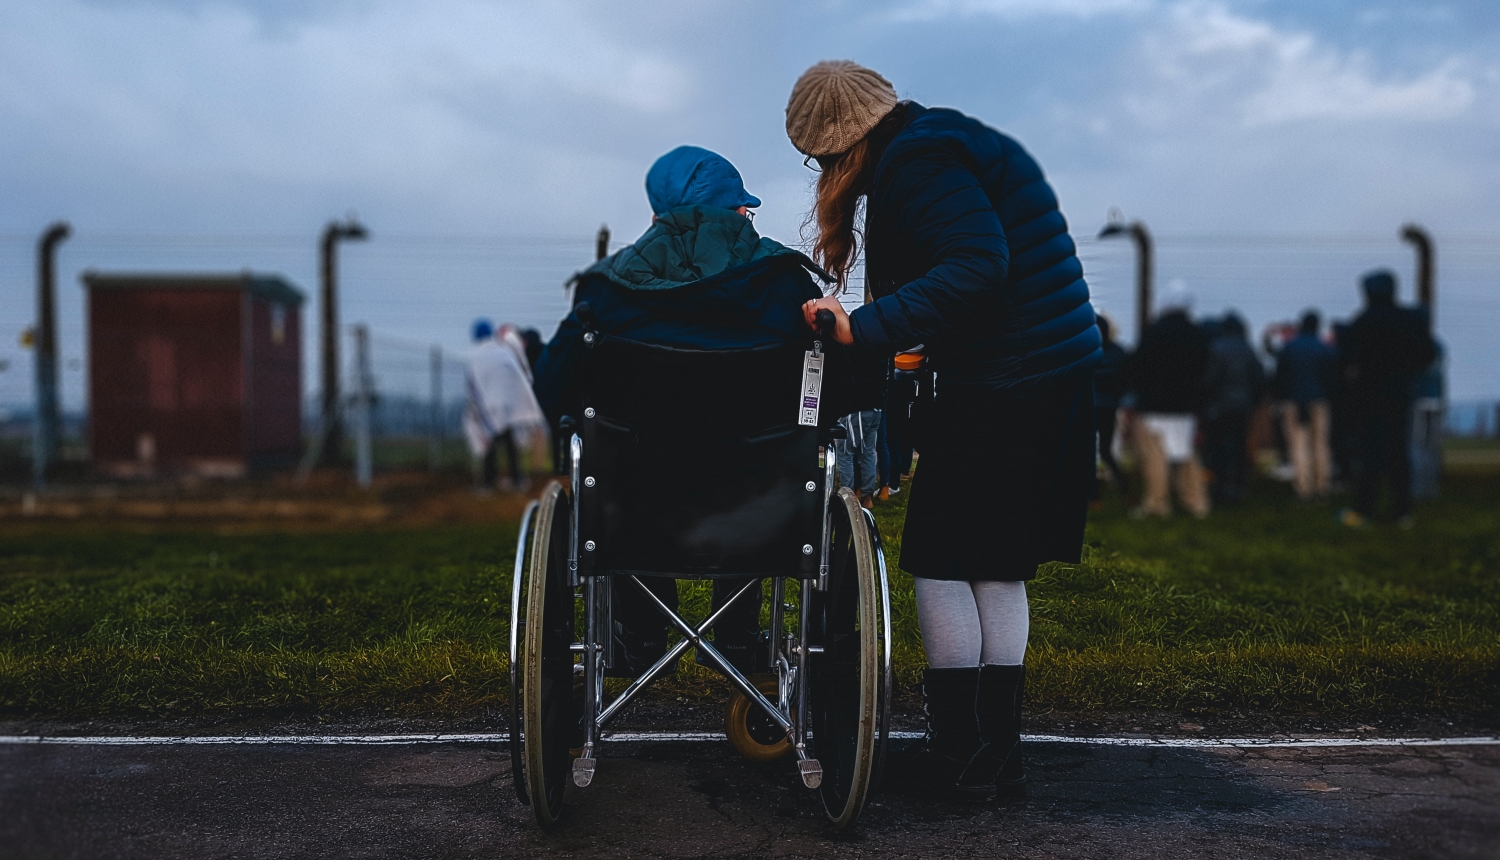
{"type": "Point", "coordinates": [967, 254]}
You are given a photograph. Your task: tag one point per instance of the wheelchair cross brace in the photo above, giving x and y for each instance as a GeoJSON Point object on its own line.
{"type": "Point", "coordinates": [599, 637]}
{"type": "Point", "coordinates": [692, 637]}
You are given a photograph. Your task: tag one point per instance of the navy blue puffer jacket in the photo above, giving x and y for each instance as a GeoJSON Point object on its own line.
{"type": "Point", "coordinates": [968, 253]}
{"type": "Point", "coordinates": [699, 278]}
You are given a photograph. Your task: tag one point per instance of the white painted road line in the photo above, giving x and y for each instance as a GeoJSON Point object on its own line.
{"type": "Point", "coordinates": [1242, 743]}
{"type": "Point", "coordinates": [704, 737]}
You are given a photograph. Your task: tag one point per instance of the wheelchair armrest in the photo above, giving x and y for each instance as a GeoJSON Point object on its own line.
{"type": "Point", "coordinates": [835, 433]}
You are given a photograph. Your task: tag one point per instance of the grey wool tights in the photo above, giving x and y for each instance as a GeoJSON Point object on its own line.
{"type": "Point", "coordinates": [966, 624]}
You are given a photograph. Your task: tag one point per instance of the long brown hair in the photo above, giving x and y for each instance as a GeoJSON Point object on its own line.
{"type": "Point", "coordinates": [844, 179]}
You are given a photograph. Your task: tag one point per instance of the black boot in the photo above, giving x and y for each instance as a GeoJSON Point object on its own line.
{"type": "Point", "coordinates": [996, 767]}
{"type": "Point", "coordinates": [952, 736]}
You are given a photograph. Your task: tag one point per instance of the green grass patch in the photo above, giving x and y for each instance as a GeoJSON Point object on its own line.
{"type": "Point", "coordinates": [1269, 608]}
{"type": "Point", "coordinates": [129, 623]}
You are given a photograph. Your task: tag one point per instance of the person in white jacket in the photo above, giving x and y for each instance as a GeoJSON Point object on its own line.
{"type": "Point", "coordinates": [501, 405]}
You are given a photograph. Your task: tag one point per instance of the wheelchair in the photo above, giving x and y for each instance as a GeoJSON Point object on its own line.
{"type": "Point", "coordinates": [692, 464]}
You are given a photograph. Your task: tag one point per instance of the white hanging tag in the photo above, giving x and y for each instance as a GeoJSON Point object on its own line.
{"type": "Point", "coordinates": [812, 387]}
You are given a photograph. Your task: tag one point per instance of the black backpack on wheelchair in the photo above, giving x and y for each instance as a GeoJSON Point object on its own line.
{"type": "Point", "coordinates": [694, 464]}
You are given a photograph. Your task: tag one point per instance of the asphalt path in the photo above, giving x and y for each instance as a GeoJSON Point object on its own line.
{"type": "Point", "coordinates": [698, 799]}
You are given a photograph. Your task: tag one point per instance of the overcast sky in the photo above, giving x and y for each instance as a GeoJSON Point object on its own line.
{"type": "Point", "coordinates": [484, 142]}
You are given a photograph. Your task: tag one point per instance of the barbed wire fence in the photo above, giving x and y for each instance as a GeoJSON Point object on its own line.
{"type": "Point", "coordinates": [420, 290]}
{"type": "Point", "coordinates": [402, 410]}
{"type": "Point", "coordinates": [419, 395]}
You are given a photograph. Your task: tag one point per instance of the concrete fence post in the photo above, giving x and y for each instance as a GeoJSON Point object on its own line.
{"type": "Point", "coordinates": [47, 421]}
{"type": "Point", "coordinates": [364, 466]}
{"type": "Point", "coordinates": [435, 435]}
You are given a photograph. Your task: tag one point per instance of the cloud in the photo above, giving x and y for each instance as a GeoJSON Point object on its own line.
{"type": "Point", "coordinates": [928, 10]}
{"type": "Point", "coordinates": [505, 118]}
{"type": "Point", "coordinates": [1270, 76]}
{"type": "Point", "coordinates": [415, 99]}
{"type": "Point", "coordinates": [1211, 118]}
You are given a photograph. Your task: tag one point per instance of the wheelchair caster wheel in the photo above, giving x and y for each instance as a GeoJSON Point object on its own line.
{"type": "Point", "coordinates": [753, 734]}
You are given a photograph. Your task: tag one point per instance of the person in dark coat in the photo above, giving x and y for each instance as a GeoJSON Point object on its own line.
{"type": "Point", "coordinates": [534, 345]}
{"type": "Point", "coordinates": [1388, 348]}
{"type": "Point", "coordinates": [967, 254]}
{"type": "Point", "coordinates": [1304, 382]}
{"type": "Point", "coordinates": [1109, 389]}
{"type": "Point", "coordinates": [699, 278]}
{"type": "Point", "coordinates": [1167, 375]}
{"type": "Point", "coordinates": [1236, 382]}
{"type": "Point", "coordinates": [1343, 417]}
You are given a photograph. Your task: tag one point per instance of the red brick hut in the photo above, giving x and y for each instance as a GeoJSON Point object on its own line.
{"type": "Point", "coordinates": [193, 374]}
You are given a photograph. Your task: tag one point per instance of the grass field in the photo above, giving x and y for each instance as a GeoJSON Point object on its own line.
{"type": "Point", "coordinates": [1268, 608]}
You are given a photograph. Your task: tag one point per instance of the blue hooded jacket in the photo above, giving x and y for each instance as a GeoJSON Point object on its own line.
{"type": "Point", "coordinates": [1305, 369]}
{"type": "Point", "coordinates": [699, 278]}
{"type": "Point", "coordinates": [968, 253]}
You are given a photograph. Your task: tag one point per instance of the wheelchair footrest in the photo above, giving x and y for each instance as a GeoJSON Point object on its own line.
{"type": "Point", "coordinates": [583, 771]}
{"type": "Point", "coordinates": [812, 772]}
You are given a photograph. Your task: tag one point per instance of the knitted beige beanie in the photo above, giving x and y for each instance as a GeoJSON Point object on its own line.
{"type": "Point", "coordinates": [834, 104]}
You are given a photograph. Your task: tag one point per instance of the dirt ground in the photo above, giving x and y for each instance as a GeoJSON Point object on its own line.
{"type": "Point", "coordinates": [681, 800]}
{"type": "Point", "coordinates": [328, 500]}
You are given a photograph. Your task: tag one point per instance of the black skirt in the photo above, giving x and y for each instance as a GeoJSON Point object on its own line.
{"type": "Point", "coordinates": [1002, 485]}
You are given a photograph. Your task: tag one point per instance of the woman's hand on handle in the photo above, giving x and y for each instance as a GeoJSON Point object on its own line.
{"type": "Point", "coordinates": [841, 331]}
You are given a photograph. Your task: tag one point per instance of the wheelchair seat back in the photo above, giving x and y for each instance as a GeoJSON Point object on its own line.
{"type": "Point", "coordinates": [694, 464]}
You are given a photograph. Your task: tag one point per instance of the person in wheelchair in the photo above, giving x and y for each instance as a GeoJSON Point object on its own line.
{"type": "Point", "coordinates": [700, 277]}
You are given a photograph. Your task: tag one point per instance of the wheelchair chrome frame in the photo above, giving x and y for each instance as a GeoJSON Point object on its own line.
{"type": "Point", "coordinates": [887, 657]}
{"type": "Point", "coordinates": [516, 623]}
{"type": "Point", "coordinates": [598, 637]}
{"type": "Point", "coordinates": [515, 588]}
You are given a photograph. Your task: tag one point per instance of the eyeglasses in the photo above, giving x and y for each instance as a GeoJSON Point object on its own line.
{"type": "Point", "coordinates": [811, 164]}
{"type": "Point", "coordinates": [750, 213]}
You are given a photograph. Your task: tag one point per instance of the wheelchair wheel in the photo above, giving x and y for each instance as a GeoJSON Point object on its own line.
{"type": "Point", "coordinates": [848, 681]}
{"type": "Point", "coordinates": [551, 703]}
{"type": "Point", "coordinates": [517, 625]}
{"type": "Point", "coordinates": [753, 734]}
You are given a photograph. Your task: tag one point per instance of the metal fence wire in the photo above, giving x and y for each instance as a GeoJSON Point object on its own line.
{"type": "Point", "coordinates": [408, 397]}
{"type": "Point", "coordinates": [415, 290]}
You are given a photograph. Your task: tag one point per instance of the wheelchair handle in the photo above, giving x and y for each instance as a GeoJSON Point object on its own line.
{"type": "Point", "coordinates": [825, 322]}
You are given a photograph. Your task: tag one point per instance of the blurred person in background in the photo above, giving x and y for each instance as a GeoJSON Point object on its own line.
{"type": "Point", "coordinates": [1166, 375]}
{"type": "Point", "coordinates": [1429, 396]}
{"type": "Point", "coordinates": [1388, 347]}
{"type": "Point", "coordinates": [883, 458]}
{"type": "Point", "coordinates": [1344, 420]}
{"type": "Point", "coordinates": [1304, 381]}
{"type": "Point", "coordinates": [858, 453]}
{"type": "Point", "coordinates": [534, 345]}
{"type": "Point", "coordinates": [700, 277]}
{"type": "Point", "coordinates": [1272, 339]}
{"type": "Point", "coordinates": [501, 405]}
{"type": "Point", "coordinates": [968, 254]}
{"type": "Point", "coordinates": [1109, 388]}
{"type": "Point", "coordinates": [1235, 384]}
{"type": "Point", "coordinates": [511, 338]}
